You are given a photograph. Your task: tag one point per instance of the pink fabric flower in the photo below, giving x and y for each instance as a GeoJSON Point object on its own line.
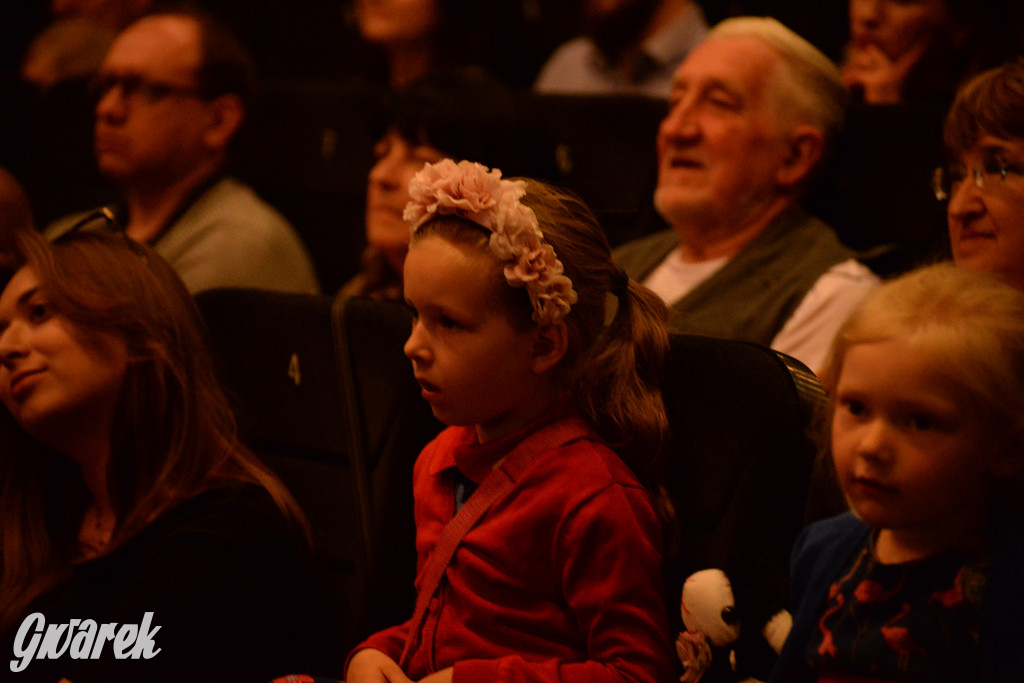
{"type": "Point", "coordinates": [694, 654]}
{"type": "Point", "coordinates": [471, 191]}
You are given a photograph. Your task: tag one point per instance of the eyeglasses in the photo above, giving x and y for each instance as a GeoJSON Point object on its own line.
{"type": "Point", "coordinates": [143, 89]}
{"type": "Point", "coordinates": [995, 177]}
{"type": "Point", "coordinates": [103, 219]}
{"type": "Point", "coordinates": [92, 220]}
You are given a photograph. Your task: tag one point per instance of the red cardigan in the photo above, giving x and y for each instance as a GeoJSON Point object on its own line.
{"type": "Point", "coordinates": [561, 580]}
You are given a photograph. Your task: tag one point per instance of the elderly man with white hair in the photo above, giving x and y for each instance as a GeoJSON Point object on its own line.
{"type": "Point", "coordinates": [752, 110]}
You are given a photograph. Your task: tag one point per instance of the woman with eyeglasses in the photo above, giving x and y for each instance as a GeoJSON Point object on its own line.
{"type": "Point", "coordinates": [462, 113]}
{"type": "Point", "coordinates": [984, 180]}
{"type": "Point", "coordinates": [125, 496]}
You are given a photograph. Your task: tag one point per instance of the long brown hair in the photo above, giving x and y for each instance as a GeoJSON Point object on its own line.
{"type": "Point", "coordinates": [174, 435]}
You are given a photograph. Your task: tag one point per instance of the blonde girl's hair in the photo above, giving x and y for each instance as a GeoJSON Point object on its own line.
{"type": "Point", "coordinates": [618, 342]}
{"type": "Point", "coordinates": [174, 434]}
{"type": "Point", "coordinates": [970, 323]}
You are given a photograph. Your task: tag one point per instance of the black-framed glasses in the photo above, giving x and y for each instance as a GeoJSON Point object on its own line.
{"type": "Point", "coordinates": [993, 177]}
{"type": "Point", "coordinates": [144, 89]}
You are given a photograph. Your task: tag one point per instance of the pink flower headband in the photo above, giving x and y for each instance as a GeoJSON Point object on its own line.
{"type": "Point", "coordinates": [470, 191]}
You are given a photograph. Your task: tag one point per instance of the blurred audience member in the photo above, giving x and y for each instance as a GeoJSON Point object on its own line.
{"type": "Point", "coordinates": [752, 110]}
{"type": "Point", "coordinates": [462, 114]}
{"type": "Point", "coordinates": [68, 49]}
{"type": "Point", "coordinates": [173, 92]}
{"type": "Point", "coordinates": [412, 38]}
{"type": "Point", "coordinates": [74, 45]}
{"type": "Point", "coordinates": [630, 47]}
{"type": "Point", "coordinates": [921, 50]}
{"type": "Point", "coordinates": [15, 210]}
{"type": "Point", "coordinates": [984, 181]}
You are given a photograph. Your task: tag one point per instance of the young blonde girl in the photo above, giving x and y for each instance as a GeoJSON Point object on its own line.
{"type": "Point", "coordinates": [538, 352]}
{"type": "Point", "coordinates": [921, 581]}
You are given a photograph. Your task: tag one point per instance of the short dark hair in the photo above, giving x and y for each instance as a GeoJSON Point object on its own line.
{"type": "Point", "coordinates": [466, 114]}
{"type": "Point", "coordinates": [225, 67]}
{"type": "Point", "coordinates": [990, 103]}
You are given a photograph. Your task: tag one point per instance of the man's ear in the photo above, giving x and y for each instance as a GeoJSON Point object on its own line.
{"type": "Point", "coordinates": [806, 144]}
{"type": "Point", "coordinates": [225, 115]}
{"type": "Point", "coordinates": [550, 343]}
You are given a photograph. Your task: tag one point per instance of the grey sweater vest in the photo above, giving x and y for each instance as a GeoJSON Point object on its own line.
{"type": "Point", "coordinates": [753, 295]}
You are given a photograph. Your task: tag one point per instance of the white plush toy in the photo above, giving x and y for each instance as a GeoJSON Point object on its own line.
{"type": "Point", "coordinates": [730, 641]}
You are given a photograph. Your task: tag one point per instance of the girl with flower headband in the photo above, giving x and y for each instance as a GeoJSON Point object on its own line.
{"type": "Point", "coordinates": [921, 581]}
{"type": "Point", "coordinates": [539, 551]}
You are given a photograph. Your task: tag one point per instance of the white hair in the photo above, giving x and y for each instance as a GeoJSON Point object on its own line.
{"type": "Point", "coordinates": [810, 81]}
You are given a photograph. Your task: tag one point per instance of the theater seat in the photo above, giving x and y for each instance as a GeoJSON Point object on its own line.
{"type": "Point", "coordinates": [603, 149]}
{"type": "Point", "coordinates": [742, 458]}
{"type": "Point", "coordinates": [307, 150]}
{"type": "Point", "coordinates": [390, 423]}
{"type": "Point", "coordinates": [325, 396]}
{"type": "Point", "coordinates": [282, 371]}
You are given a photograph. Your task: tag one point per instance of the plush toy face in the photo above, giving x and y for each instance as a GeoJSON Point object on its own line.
{"type": "Point", "coordinates": [708, 607]}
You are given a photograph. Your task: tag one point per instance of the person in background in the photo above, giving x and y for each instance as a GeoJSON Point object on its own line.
{"type": "Point", "coordinates": [172, 95]}
{"type": "Point", "coordinates": [409, 39]}
{"type": "Point", "coordinates": [462, 113]}
{"type": "Point", "coordinates": [73, 45]}
{"type": "Point", "coordinates": [984, 180]}
{"type": "Point", "coordinates": [631, 47]}
{"type": "Point", "coordinates": [751, 113]}
{"type": "Point", "coordinates": [922, 50]}
{"type": "Point", "coordinates": [920, 581]}
{"type": "Point", "coordinates": [123, 486]}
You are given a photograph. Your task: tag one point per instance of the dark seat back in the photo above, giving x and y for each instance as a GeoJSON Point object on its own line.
{"type": "Point", "coordinates": [325, 395]}
{"type": "Point", "coordinates": [604, 150]}
{"type": "Point", "coordinates": [741, 463]}
{"type": "Point", "coordinates": [307, 150]}
{"type": "Point", "coordinates": [391, 423]}
{"type": "Point", "coordinates": [281, 369]}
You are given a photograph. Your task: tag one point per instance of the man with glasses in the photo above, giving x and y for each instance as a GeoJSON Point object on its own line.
{"type": "Point", "coordinates": [984, 181]}
{"type": "Point", "coordinates": [171, 96]}
{"type": "Point", "coordinates": [749, 116]}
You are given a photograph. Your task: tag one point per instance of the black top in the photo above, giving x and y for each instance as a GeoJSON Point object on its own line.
{"type": "Point", "coordinates": [233, 593]}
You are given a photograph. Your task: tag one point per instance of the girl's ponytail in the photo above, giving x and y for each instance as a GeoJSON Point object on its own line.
{"type": "Point", "coordinates": [618, 389]}
{"type": "Point", "coordinates": [618, 340]}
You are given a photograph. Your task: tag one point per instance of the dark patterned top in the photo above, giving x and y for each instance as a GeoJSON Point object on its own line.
{"type": "Point", "coordinates": [913, 621]}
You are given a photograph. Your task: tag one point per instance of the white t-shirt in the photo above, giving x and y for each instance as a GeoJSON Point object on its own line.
{"type": "Point", "coordinates": [808, 334]}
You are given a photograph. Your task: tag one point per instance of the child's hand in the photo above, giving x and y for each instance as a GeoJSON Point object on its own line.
{"type": "Point", "coordinates": [442, 676]}
{"type": "Point", "coordinates": [373, 666]}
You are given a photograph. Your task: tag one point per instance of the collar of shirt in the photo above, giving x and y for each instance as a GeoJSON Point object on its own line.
{"type": "Point", "coordinates": [476, 460]}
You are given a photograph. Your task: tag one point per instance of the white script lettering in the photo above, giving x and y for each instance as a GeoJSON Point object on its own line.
{"type": "Point", "coordinates": [80, 639]}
